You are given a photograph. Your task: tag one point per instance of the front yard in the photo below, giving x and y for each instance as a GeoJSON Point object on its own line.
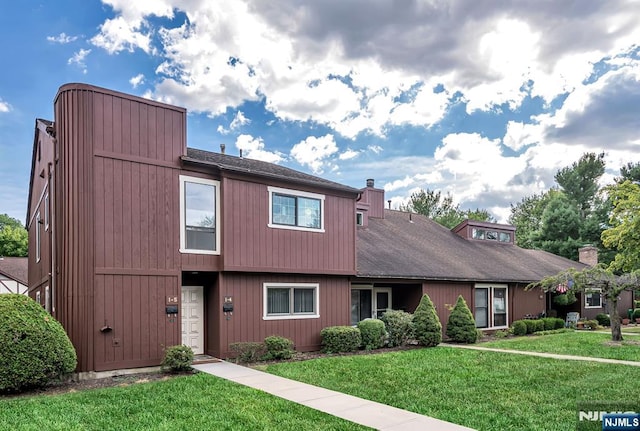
{"type": "Point", "coordinates": [482, 390]}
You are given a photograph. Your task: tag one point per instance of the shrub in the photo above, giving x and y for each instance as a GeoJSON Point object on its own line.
{"type": "Point", "coordinates": [426, 324]}
{"type": "Point", "coordinates": [178, 358]}
{"type": "Point", "coordinates": [501, 334]}
{"type": "Point", "coordinates": [278, 347]}
{"type": "Point", "coordinates": [248, 351]}
{"type": "Point", "coordinates": [519, 328]}
{"type": "Point", "coordinates": [603, 319]}
{"type": "Point", "coordinates": [337, 339]}
{"type": "Point", "coordinates": [636, 314]}
{"type": "Point", "coordinates": [461, 326]}
{"type": "Point", "coordinates": [399, 327]}
{"type": "Point", "coordinates": [372, 333]}
{"type": "Point", "coordinates": [549, 323]}
{"type": "Point", "coordinates": [636, 303]}
{"type": "Point", "coordinates": [591, 324]}
{"type": "Point", "coordinates": [35, 349]}
{"type": "Point", "coordinates": [539, 325]}
{"type": "Point", "coordinates": [559, 323]}
{"type": "Point", "coordinates": [531, 325]}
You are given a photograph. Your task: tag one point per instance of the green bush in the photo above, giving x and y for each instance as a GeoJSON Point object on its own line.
{"type": "Point", "coordinates": [248, 351]}
{"type": "Point", "coordinates": [519, 328]}
{"type": "Point", "coordinates": [178, 358]}
{"type": "Point", "coordinates": [591, 324]}
{"type": "Point", "coordinates": [338, 339]}
{"type": "Point", "coordinates": [372, 333]}
{"type": "Point", "coordinates": [603, 319]}
{"type": "Point", "coordinates": [539, 325]}
{"type": "Point", "coordinates": [278, 347]}
{"type": "Point", "coordinates": [560, 323]}
{"type": "Point", "coordinates": [399, 327]}
{"type": "Point", "coordinates": [500, 333]}
{"type": "Point", "coordinates": [636, 314]}
{"type": "Point", "coordinates": [461, 326]}
{"type": "Point", "coordinates": [549, 323]}
{"type": "Point", "coordinates": [426, 324]}
{"type": "Point", "coordinates": [531, 325]}
{"type": "Point", "coordinates": [35, 349]}
{"type": "Point", "coordinates": [636, 304]}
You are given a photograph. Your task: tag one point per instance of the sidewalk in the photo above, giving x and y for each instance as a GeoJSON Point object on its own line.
{"type": "Point", "coordinates": [369, 413]}
{"type": "Point", "coordinates": [545, 355]}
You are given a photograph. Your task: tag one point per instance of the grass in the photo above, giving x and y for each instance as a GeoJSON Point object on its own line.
{"type": "Point", "coordinates": [579, 343]}
{"type": "Point", "coordinates": [195, 402]}
{"type": "Point", "coordinates": [478, 389]}
{"type": "Point", "coordinates": [631, 329]}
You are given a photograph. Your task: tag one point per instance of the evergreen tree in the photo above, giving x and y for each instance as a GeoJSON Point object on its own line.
{"type": "Point", "coordinates": [580, 181]}
{"type": "Point", "coordinates": [461, 326]}
{"type": "Point", "coordinates": [426, 324]}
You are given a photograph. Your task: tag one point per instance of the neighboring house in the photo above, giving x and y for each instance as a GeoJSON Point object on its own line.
{"type": "Point", "coordinates": [13, 275]}
{"type": "Point", "coordinates": [137, 242]}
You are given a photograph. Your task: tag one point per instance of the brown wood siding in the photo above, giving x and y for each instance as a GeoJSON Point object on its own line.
{"type": "Point", "coordinates": [248, 244]}
{"type": "Point", "coordinates": [247, 323]}
{"type": "Point", "coordinates": [523, 302]}
{"type": "Point", "coordinates": [134, 307]}
{"type": "Point", "coordinates": [444, 295]}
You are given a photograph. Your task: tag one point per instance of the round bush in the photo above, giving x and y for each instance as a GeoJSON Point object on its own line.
{"type": "Point", "coordinates": [426, 324]}
{"type": "Point", "coordinates": [279, 347]}
{"type": "Point", "coordinates": [559, 323]}
{"type": "Point", "coordinates": [531, 326]}
{"type": "Point", "coordinates": [35, 348]}
{"type": "Point", "coordinates": [399, 327]}
{"type": "Point", "coordinates": [636, 314]}
{"type": "Point", "coordinates": [539, 325]}
{"type": "Point", "coordinates": [337, 339]}
{"type": "Point", "coordinates": [519, 328]}
{"type": "Point", "coordinates": [373, 333]}
{"type": "Point", "coordinates": [178, 358]}
{"type": "Point", "coordinates": [461, 326]}
{"type": "Point", "coordinates": [603, 319]}
{"type": "Point", "coordinates": [549, 323]}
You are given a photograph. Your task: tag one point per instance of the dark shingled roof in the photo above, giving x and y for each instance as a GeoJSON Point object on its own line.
{"type": "Point", "coordinates": [15, 268]}
{"type": "Point", "coordinates": [395, 247]}
{"type": "Point", "coordinates": [244, 165]}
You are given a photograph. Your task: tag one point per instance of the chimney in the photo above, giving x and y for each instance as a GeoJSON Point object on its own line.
{"type": "Point", "coordinates": [370, 182]}
{"type": "Point", "coordinates": [240, 152]}
{"type": "Point", "coordinates": [389, 202]}
{"type": "Point", "coordinates": [222, 148]}
{"type": "Point", "coordinates": [588, 255]}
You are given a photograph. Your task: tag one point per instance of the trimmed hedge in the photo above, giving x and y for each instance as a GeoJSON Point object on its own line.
{"type": "Point", "coordinates": [178, 358]}
{"type": "Point", "coordinates": [549, 323]}
{"type": "Point", "coordinates": [461, 326]}
{"type": "Point", "coordinates": [426, 324]}
{"type": "Point", "coordinates": [559, 323]}
{"type": "Point", "coordinates": [531, 325]}
{"type": "Point", "coordinates": [278, 347]}
{"type": "Point", "coordinates": [372, 333]}
{"type": "Point", "coordinates": [519, 328]}
{"type": "Point", "coordinates": [35, 349]}
{"type": "Point", "coordinates": [399, 327]}
{"type": "Point", "coordinates": [338, 339]}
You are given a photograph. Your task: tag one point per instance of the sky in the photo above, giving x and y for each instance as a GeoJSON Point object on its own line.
{"type": "Point", "coordinates": [484, 100]}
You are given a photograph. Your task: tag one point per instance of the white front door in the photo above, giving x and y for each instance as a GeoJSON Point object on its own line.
{"type": "Point", "coordinates": [193, 318]}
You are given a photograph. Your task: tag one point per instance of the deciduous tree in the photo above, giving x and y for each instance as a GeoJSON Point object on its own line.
{"type": "Point", "coordinates": [13, 237]}
{"type": "Point", "coordinates": [624, 233]}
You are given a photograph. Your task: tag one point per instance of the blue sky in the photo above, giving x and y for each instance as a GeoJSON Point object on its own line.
{"type": "Point", "coordinates": [482, 101]}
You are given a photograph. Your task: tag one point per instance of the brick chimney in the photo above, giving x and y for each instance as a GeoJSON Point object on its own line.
{"type": "Point", "coordinates": [588, 255]}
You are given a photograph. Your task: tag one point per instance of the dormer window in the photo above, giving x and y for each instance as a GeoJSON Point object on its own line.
{"type": "Point", "coordinates": [293, 209]}
{"type": "Point", "coordinates": [504, 237]}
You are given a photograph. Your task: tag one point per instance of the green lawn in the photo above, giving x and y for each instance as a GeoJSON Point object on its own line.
{"type": "Point", "coordinates": [580, 343]}
{"type": "Point", "coordinates": [631, 329]}
{"type": "Point", "coordinates": [198, 402]}
{"type": "Point", "coordinates": [478, 389]}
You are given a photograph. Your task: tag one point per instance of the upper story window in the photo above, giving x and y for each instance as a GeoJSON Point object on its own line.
{"type": "Point", "coordinates": [490, 235]}
{"type": "Point", "coordinates": [359, 218]}
{"type": "Point", "coordinates": [292, 209]}
{"type": "Point", "coordinates": [199, 221]}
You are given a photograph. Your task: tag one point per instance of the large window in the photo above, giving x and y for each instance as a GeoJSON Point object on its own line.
{"type": "Point", "coordinates": [593, 299]}
{"type": "Point", "coordinates": [291, 209]}
{"type": "Point", "coordinates": [490, 306]}
{"type": "Point", "coordinates": [291, 301]}
{"type": "Point", "coordinates": [199, 209]}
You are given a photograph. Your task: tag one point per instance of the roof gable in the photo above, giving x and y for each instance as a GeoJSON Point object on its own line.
{"type": "Point", "coordinates": [15, 268]}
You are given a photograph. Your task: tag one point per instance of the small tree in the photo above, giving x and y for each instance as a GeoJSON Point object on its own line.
{"type": "Point", "coordinates": [461, 326]}
{"type": "Point", "coordinates": [597, 278]}
{"type": "Point", "coordinates": [426, 324]}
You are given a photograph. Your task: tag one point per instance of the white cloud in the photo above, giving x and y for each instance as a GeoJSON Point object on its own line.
{"type": "Point", "coordinates": [119, 34]}
{"type": "Point", "coordinates": [520, 135]}
{"type": "Point", "coordinates": [348, 154]}
{"type": "Point", "coordinates": [62, 38]}
{"type": "Point", "coordinates": [136, 80]}
{"type": "Point", "coordinates": [238, 121]}
{"type": "Point", "coordinates": [79, 59]}
{"type": "Point", "coordinates": [314, 151]}
{"type": "Point", "coordinates": [4, 106]}
{"type": "Point", "coordinates": [399, 184]}
{"type": "Point", "coordinates": [253, 148]}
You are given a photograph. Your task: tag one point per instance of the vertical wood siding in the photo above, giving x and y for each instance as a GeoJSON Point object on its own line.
{"type": "Point", "coordinates": [523, 302]}
{"type": "Point", "coordinates": [247, 324]}
{"type": "Point", "coordinates": [445, 294]}
{"type": "Point", "coordinates": [250, 245]}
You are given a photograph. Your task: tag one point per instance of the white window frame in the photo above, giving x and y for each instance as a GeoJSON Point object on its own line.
{"type": "Point", "coordinates": [374, 299]}
{"type": "Point", "coordinates": [183, 240]}
{"type": "Point", "coordinates": [38, 240]}
{"type": "Point", "coordinates": [291, 315]}
{"type": "Point", "coordinates": [295, 193]}
{"type": "Point", "coordinates": [359, 218]}
{"type": "Point", "coordinates": [491, 313]}
{"type": "Point", "coordinates": [598, 290]}
{"type": "Point", "coordinates": [46, 212]}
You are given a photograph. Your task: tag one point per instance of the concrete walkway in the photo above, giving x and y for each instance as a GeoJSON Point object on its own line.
{"type": "Point", "coordinates": [545, 355]}
{"type": "Point", "coordinates": [369, 413]}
